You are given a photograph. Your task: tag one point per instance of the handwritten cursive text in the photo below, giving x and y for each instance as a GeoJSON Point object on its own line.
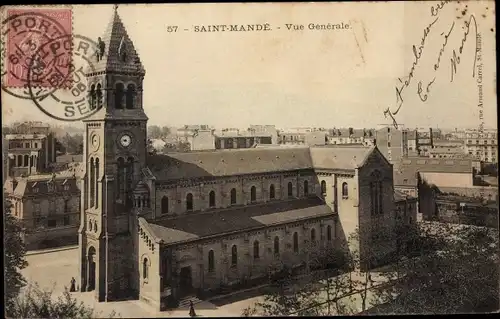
{"type": "Point", "coordinates": [455, 59]}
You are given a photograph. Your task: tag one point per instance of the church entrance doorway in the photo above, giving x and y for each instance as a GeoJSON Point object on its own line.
{"type": "Point", "coordinates": [91, 269]}
{"type": "Point", "coordinates": [185, 281]}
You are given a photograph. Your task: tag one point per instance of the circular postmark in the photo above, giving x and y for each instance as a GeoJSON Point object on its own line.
{"type": "Point", "coordinates": [70, 101]}
{"type": "Point", "coordinates": [23, 32]}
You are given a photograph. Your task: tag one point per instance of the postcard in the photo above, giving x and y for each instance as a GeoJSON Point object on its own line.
{"type": "Point", "coordinates": [241, 159]}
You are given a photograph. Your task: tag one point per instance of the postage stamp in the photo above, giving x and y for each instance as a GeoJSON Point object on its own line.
{"type": "Point", "coordinates": [25, 31]}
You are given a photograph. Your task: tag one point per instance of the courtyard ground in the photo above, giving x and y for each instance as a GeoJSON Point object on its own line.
{"type": "Point", "coordinates": [52, 270]}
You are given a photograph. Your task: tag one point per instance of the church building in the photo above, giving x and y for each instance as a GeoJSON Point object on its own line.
{"type": "Point", "coordinates": [158, 227]}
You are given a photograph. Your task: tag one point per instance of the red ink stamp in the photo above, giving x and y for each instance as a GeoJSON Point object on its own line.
{"type": "Point", "coordinates": [25, 32]}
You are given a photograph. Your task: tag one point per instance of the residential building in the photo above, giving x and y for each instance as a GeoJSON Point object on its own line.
{"type": "Point", "coordinates": [439, 172]}
{"type": "Point", "coordinates": [30, 150]}
{"type": "Point", "coordinates": [412, 143]}
{"type": "Point", "coordinates": [234, 138]}
{"type": "Point", "coordinates": [48, 206]}
{"type": "Point", "coordinates": [392, 142]}
{"type": "Point", "coordinates": [482, 145]}
{"type": "Point", "coordinates": [351, 136]}
{"type": "Point", "coordinates": [199, 137]}
{"type": "Point", "coordinates": [160, 227]}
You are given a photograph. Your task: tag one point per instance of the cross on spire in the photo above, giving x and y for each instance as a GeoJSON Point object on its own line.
{"type": "Point", "coordinates": [115, 7]}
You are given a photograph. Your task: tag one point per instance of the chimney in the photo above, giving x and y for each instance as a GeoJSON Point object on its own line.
{"type": "Point", "coordinates": [432, 139]}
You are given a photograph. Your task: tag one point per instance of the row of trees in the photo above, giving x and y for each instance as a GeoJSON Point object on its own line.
{"type": "Point", "coordinates": [155, 131]}
{"type": "Point", "coordinates": [441, 268]}
{"type": "Point", "coordinates": [70, 144]}
{"type": "Point", "coordinates": [28, 300]}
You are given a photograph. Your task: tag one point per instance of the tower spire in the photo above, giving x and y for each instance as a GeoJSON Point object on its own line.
{"type": "Point", "coordinates": [115, 7]}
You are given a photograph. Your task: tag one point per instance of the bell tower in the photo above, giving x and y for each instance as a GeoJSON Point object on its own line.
{"type": "Point", "coordinates": [114, 155]}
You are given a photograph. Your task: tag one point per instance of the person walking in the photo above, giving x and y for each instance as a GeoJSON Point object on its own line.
{"type": "Point", "coordinates": [73, 283]}
{"type": "Point", "coordinates": [191, 309]}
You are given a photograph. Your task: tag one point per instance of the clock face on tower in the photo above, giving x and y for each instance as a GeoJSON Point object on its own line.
{"type": "Point", "coordinates": [125, 140]}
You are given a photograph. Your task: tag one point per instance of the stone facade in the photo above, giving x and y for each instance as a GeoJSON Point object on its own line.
{"type": "Point", "coordinates": [158, 227]}
{"type": "Point", "coordinates": [48, 207]}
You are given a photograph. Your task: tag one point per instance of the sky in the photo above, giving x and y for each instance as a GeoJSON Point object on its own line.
{"type": "Point", "coordinates": [319, 78]}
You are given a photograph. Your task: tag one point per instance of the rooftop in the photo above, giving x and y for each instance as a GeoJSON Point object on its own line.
{"type": "Point", "coordinates": [436, 165]}
{"type": "Point", "coordinates": [25, 136]}
{"type": "Point", "coordinates": [174, 166]}
{"type": "Point", "coordinates": [199, 225]}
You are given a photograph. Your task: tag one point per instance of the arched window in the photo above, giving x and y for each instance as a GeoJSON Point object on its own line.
{"type": "Point", "coordinates": [253, 194]}
{"type": "Point", "coordinates": [19, 160]}
{"type": "Point", "coordinates": [189, 201]}
{"type": "Point", "coordinates": [295, 242]}
{"type": "Point", "coordinates": [276, 246]}
{"type": "Point", "coordinates": [92, 97]}
{"type": "Point", "coordinates": [306, 188]}
{"type": "Point", "coordinates": [256, 250]}
{"type": "Point", "coordinates": [130, 96]}
{"type": "Point", "coordinates": [234, 256]}
{"type": "Point", "coordinates": [323, 188]}
{"type": "Point", "coordinates": [96, 183]}
{"type": "Point", "coordinates": [233, 196]}
{"type": "Point", "coordinates": [26, 160]}
{"type": "Point", "coordinates": [211, 199]}
{"type": "Point", "coordinates": [272, 194]}
{"type": "Point", "coordinates": [345, 190]}
{"type": "Point", "coordinates": [290, 189]}
{"type": "Point", "coordinates": [211, 261]}
{"type": "Point", "coordinates": [145, 268]}
{"type": "Point", "coordinates": [92, 182]}
{"type": "Point", "coordinates": [313, 235]}
{"type": "Point", "coordinates": [164, 205]}
{"type": "Point", "coordinates": [119, 93]}
{"type": "Point", "coordinates": [329, 232]}
{"type": "Point", "coordinates": [98, 94]}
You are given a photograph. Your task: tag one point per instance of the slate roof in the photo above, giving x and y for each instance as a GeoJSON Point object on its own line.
{"type": "Point", "coordinates": [38, 185]}
{"type": "Point", "coordinates": [115, 36]}
{"type": "Point", "coordinates": [219, 163]}
{"type": "Point", "coordinates": [405, 176]}
{"type": "Point", "coordinates": [333, 157]}
{"type": "Point", "coordinates": [199, 225]}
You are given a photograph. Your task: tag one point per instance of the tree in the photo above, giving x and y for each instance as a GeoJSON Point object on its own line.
{"type": "Point", "coordinates": [38, 303]}
{"type": "Point", "coordinates": [14, 251]}
{"type": "Point", "coordinates": [72, 144]}
{"type": "Point", "coordinates": [453, 268]}
{"type": "Point", "coordinates": [151, 149]}
{"type": "Point", "coordinates": [154, 132]}
{"type": "Point", "coordinates": [286, 296]}
{"type": "Point", "coordinates": [166, 131]}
